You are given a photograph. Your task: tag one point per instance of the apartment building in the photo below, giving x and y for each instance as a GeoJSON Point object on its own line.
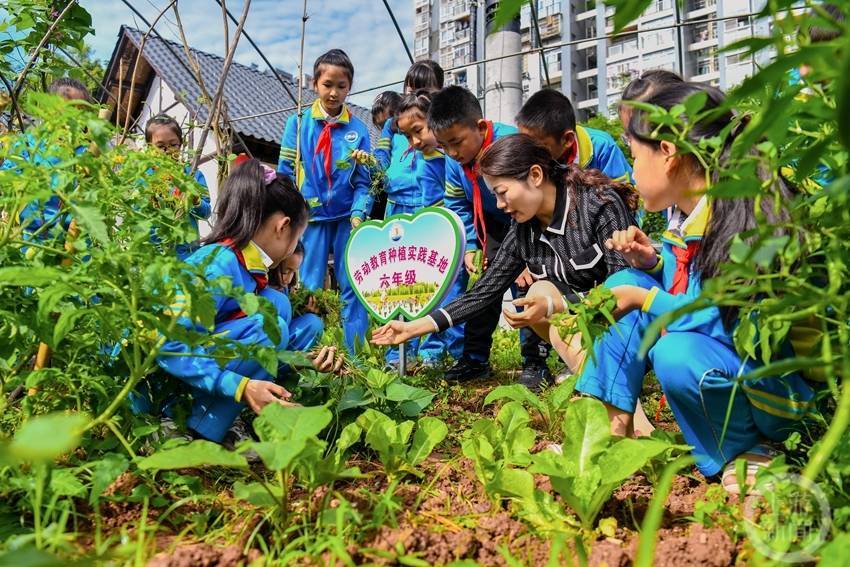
{"type": "Point", "coordinates": [586, 62]}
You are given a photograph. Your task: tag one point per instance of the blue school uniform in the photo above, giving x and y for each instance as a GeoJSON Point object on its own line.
{"type": "Point", "coordinates": [201, 211]}
{"type": "Point", "coordinates": [334, 195]}
{"type": "Point", "coordinates": [217, 391]}
{"type": "Point", "coordinates": [695, 361]}
{"type": "Point", "coordinates": [459, 196]}
{"type": "Point", "coordinates": [598, 150]}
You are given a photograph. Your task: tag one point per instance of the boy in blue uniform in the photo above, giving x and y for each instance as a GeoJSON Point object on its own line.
{"type": "Point", "coordinates": [549, 118]}
{"type": "Point", "coordinates": [458, 124]}
{"type": "Point", "coordinates": [338, 197]}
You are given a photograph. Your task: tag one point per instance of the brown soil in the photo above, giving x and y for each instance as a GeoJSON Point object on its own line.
{"type": "Point", "coordinates": [203, 555]}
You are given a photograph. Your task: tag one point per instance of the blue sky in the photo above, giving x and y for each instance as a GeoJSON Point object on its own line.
{"type": "Point", "coordinates": [361, 27]}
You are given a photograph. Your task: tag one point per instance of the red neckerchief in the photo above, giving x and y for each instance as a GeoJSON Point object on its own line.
{"type": "Point", "coordinates": [471, 172]}
{"type": "Point", "coordinates": [406, 153]}
{"type": "Point", "coordinates": [324, 148]}
{"type": "Point", "coordinates": [683, 262]}
{"type": "Point", "coordinates": [262, 280]}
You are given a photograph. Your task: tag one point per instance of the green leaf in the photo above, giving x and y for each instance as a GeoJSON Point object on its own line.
{"type": "Point", "coordinates": [90, 218]}
{"type": "Point", "coordinates": [587, 432]}
{"type": "Point", "coordinates": [256, 494]}
{"type": "Point", "coordinates": [63, 482]}
{"type": "Point", "coordinates": [196, 454]}
{"type": "Point", "coordinates": [517, 393]}
{"type": "Point", "coordinates": [65, 324]}
{"type": "Point", "coordinates": [282, 424]}
{"type": "Point", "coordinates": [625, 457]}
{"type": "Point", "coordinates": [31, 557]}
{"type": "Point", "coordinates": [430, 431]}
{"type": "Point", "coordinates": [278, 456]}
{"type": "Point", "coordinates": [378, 380]}
{"type": "Point", "coordinates": [411, 400]}
{"type": "Point", "coordinates": [104, 473]}
{"type": "Point", "coordinates": [513, 483]}
{"type": "Point", "coordinates": [29, 276]}
{"type": "Point", "coordinates": [46, 437]}
{"type": "Point", "coordinates": [354, 398]}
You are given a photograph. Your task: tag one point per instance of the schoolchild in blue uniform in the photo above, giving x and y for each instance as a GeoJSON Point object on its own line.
{"type": "Point", "coordinates": [338, 198]}
{"type": "Point", "coordinates": [695, 359]}
{"type": "Point", "coordinates": [305, 329]}
{"type": "Point", "coordinates": [164, 133]}
{"type": "Point", "coordinates": [384, 111]}
{"type": "Point", "coordinates": [427, 173]}
{"type": "Point", "coordinates": [549, 118]}
{"type": "Point", "coordinates": [260, 220]}
{"type": "Point", "coordinates": [44, 220]}
{"type": "Point", "coordinates": [459, 126]}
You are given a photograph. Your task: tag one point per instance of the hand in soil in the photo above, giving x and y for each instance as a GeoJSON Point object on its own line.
{"type": "Point", "coordinates": [259, 393]}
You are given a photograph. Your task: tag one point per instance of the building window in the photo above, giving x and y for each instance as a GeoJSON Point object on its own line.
{"type": "Point", "coordinates": [553, 60]}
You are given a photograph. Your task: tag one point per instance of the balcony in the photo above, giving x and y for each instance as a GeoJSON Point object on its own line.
{"type": "Point", "coordinates": [550, 26]}
{"type": "Point", "coordinates": [703, 33]}
{"type": "Point", "coordinates": [697, 8]}
{"type": "Point", "coordinates": [455, 10]}
{"type": "Point", "coordinates": [421, 4]}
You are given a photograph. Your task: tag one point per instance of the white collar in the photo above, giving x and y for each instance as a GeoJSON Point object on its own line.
{"type": "Point", "coordinates": [677, 225]}
{"type": "Point", "coordinates": [267, 260]}
{"type": "Point", "coordinates": [328, 114]}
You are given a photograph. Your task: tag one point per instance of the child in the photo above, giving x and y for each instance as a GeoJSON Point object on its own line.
{"type": "Point", "coordinates": [549, 118]}
{"type": "Point", "coordinates": [261, 217]}
{"type": "Point", "coordinates": [384, 108]}
{"type": "Point", "coordinates": [305, 329]}
{"type": "Point", "coordinates": [456, 120]}
{"type": "Point", "coordinates": [427, 175]}
{"type": "Point", "coordinates": [426, 75]}
{"type": "Point", "coordinates": [642, 88]}
{"type": "Point", "coordinates": [164, 133]}
{"type": "Point", "coordinates": [384, 112]}
{"type": "Point", "coordinates": [338, 197]}
{"type": "Point", "coordinates": [42, 220]}
{"type": "Point", "coordinates": [695, 360]}
{"type": "Point", "coordinates": [563, 218]}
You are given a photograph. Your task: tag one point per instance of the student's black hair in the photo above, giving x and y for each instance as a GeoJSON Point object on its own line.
{"type": "Point", "coordinates": [644, 86]}
{"type": "Point", "coordinates": [62, 85]}
{"type": "Point", "coordinates": [165, 121]}
{"type": "Point", "coordinates": [246, 201]}
{"type": "Point", "coordinates": [547, 111]}
{"type": "Point", "coordinates": [729, 216]}
{"type": "Point", "coordinates": [513, 156]}
{"type": "Point", "coordinates": [337, 58]}
{"type": "Point", "coordinates": [424, 75]}
{"type": "Point", "coordinates": [452, 105]}
{"type": "Point", "coordinates": [387, 101]}
{"type": "Point", "coordinates": [420, 100]}
{"type": "Point", "coordinates": [820, 34]}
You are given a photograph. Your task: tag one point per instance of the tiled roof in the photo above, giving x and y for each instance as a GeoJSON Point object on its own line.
{"type": "Point", "coordinates": [247, 90]}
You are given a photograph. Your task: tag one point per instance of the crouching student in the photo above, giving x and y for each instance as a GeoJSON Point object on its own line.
{"type": "Point", "coordinates": [306, 328]}
{"type": "Point", "coordinates": [164, 133]}
{"type": "Point", "coordinates": [563, 216]}
{"type": "Point", "coordinates": [459, 126]}
{"type": "Point", "coordinates": [548, 117]}
{"type": "Point", "coordinates": [695, 359]}
{"type": "Point", "coordinates": [261, 217]}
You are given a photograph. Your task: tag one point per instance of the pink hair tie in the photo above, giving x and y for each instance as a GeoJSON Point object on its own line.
{"type": "Point", "coordinates": [269, 174]}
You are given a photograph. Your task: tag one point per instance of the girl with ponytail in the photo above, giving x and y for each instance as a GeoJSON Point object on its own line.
{"type": "Point", "coordinates": [260, 219]}
{"type": "Point", "coordinates": [562, 218]}
{"type": "Point", "coordinates": [694, 359]}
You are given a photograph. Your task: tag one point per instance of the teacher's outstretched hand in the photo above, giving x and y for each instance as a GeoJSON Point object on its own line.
{"type": "Point", "coordinates": [397, 332]}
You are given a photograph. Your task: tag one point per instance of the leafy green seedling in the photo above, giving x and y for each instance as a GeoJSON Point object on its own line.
{"type": "Point", "coordinates": [391, 440]}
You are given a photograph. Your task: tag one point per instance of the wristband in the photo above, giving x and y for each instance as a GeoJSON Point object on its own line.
{"type": "Point", "coordinates": [550, 306]}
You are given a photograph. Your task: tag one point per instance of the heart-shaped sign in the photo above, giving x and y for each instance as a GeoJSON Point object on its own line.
{"type": "Point", "coordinates": [405, 264]}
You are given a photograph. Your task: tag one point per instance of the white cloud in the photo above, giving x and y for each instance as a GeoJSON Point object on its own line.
{"type": "Point", "coordinates": [360, 27]}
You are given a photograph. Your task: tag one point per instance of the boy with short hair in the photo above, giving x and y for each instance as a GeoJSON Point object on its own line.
{"type": "Point", "coordinates": [457, 122]}
{"type": "Point", "coordinates": [548, 117]}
